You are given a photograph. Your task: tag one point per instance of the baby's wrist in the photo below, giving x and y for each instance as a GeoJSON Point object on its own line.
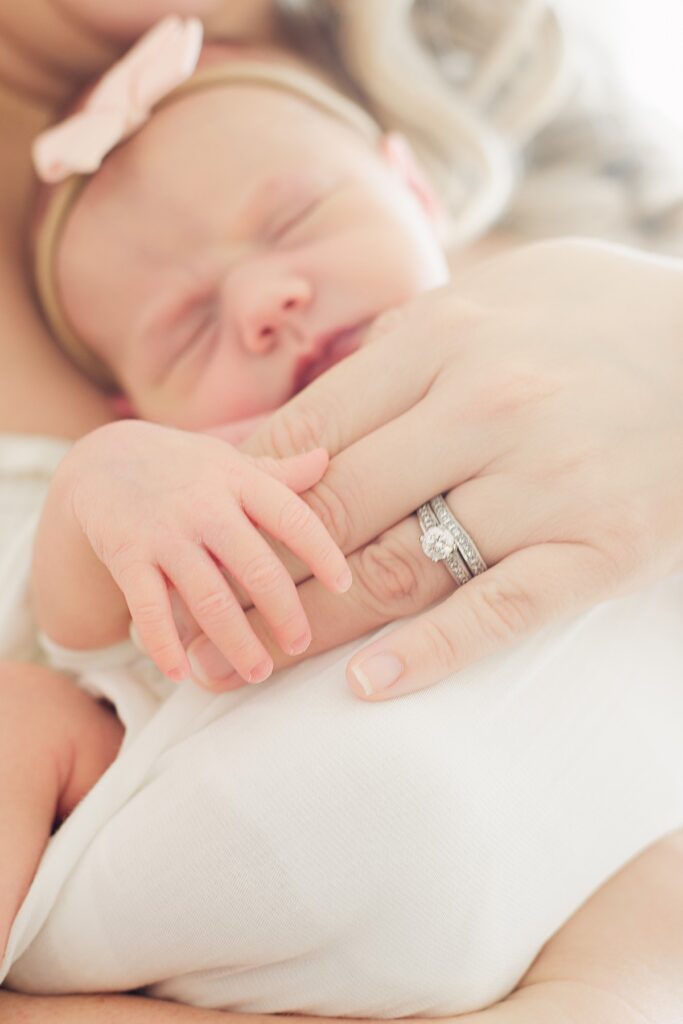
{"type": "Point", "coordinates": [74, 598]}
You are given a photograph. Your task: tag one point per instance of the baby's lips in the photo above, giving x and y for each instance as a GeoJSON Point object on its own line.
{"type": "Point", "coordinates": [209, 667]}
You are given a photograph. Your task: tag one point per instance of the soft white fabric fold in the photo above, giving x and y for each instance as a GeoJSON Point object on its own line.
{"type": "Point", "coordinates": [289, 848]}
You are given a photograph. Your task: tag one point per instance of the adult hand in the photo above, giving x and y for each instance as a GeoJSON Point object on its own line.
{"type": "Point", "coordinates": [542, 394]}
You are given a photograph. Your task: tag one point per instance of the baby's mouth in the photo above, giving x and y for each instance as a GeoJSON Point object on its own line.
{"type": "Point", "coordinates": [335, 348]}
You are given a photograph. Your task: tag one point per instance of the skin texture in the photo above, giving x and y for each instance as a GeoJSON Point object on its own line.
{"type": "Point", "coordinates": [78, 738]}
{"type": "Point", "coordinates": [194, 503]}
{"type": "Point", "coordinates": [567, 508]}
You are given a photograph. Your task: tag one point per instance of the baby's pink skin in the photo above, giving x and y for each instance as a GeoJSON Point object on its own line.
{"type": "Point", "coordinates": [215, 248]}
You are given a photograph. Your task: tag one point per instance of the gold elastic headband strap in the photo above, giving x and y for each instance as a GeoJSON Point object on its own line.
{"type": "Point", "coordinates": [63, 196]}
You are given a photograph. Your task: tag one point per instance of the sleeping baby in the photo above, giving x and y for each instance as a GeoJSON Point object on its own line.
{"type": "Point", "coordinates": [206, 243]}
{"type": "Point", "coordinates": [216, 227]}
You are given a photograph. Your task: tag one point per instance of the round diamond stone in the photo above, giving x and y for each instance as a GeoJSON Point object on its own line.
{"type": "Point", "coordinates": [437, 542]}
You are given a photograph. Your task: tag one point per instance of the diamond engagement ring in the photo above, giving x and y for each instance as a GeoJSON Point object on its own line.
{"type": "Point", "coordinates": [445, 540]}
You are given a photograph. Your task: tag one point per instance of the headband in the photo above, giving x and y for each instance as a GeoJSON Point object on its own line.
{"type": "Point", "coordinates": [158, 70]}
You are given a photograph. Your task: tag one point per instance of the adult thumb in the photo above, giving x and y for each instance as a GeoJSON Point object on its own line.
{"type": "Point", "coordinates": [522, 593]}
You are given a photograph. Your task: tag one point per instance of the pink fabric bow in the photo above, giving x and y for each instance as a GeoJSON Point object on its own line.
{"type": "Point", "coordinates": [121, 101]}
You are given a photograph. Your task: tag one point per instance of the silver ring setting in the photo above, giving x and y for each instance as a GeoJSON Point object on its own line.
{"type": "Point", "coordinates": [445, 540]}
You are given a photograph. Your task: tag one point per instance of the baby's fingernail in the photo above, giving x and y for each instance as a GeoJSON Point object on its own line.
{"type": "Point", "coordinates": [178, 675]}
{"type": "Point", "coordinates": [299, 646]}
{"type": "Point", "coordinates": [344, 581]}
{"type": "Point", "coordinates": [378, 672]}
{"type": "Point", "coordinates": [261, 671]}
{"type": "Point", "coordinates": [207, 663]}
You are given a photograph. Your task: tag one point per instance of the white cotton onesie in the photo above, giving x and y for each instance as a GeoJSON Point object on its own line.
{"type": "Point", "coordinates": [290, 848]}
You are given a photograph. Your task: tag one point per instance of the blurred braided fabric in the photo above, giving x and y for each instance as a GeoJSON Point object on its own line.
{"type": "Point", "coordinates": [516, 115]}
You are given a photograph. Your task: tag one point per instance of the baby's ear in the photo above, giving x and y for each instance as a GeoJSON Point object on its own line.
{"type": "Point", "coordinates": [398, 153]}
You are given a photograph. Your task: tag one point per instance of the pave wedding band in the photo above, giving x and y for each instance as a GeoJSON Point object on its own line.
{"type": "Point", "coordinates": [445, 540]}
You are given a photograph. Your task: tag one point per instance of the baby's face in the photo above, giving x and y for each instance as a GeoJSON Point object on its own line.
{"type": "Point", "coordinates": [228, 243]}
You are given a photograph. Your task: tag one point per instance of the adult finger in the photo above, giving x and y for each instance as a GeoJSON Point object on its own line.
{"type": "Point", "coordinates": [290, 519]}
{"type": "Point", "coordinates": [237, 430]}
{"type": "Point", "coordinates": [364, 491]}
{"type": "Point", "coordinates": [298, 472]}
{"type": "Point", "coordinates": [525, 591]}
{"type": "Point", "coordinates": [392, 576]}
{"type": "Point", "coordinates": [386, 376]}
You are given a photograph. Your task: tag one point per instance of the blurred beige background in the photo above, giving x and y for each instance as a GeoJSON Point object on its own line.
{"type": "Point", "coordinates": [646, 40]}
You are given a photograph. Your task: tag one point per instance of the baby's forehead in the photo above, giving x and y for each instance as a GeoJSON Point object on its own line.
{"type": "Point", "coordinates": [261, 112]}
{"type": "Point", "coordinates": [216, 167]}
{"type": "Point", "coordinates": [212, 147]}
{"type": "Point", "coordinates": [313, 84]}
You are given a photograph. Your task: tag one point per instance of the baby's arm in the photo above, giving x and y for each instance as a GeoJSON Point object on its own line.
{"type": "Point", "coordinates": [74, 597]}
{"type": "Point", "coordinates": [55, 742]}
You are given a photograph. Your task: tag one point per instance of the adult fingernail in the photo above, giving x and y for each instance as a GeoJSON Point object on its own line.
{"type": "Point", "coordinates": [378, 672]}
{"type": "Point", "coordinates": [207, 663]}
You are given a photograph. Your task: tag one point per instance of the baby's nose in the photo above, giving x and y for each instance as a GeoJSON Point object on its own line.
{"type": "Point", "coordinates": [271, 306]}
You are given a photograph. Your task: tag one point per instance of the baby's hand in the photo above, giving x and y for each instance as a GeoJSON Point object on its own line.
{"type": "Point", "coordinates": [162, 507]}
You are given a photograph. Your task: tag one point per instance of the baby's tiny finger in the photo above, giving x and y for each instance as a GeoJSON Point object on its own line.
{"type": "Point", "coordinates": [252, 562]}
{"type": "Point", "coordinates": [146, 594]}
{"type": "Point", "coordinates": [215, 608]}
{"type": "Point", "coordinates": [287, 517]}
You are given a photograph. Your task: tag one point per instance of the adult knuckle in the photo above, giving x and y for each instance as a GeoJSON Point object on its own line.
{"type": "Point", "coordinates": [389, 577]}
{"type": "Point", "coordinates": [331, 505]}
{"type": "Point", "coordinates": [294, 430]}
{"type": "Point", "coordinates": [386, 323]}
{"type": "Point", "coordinates": [503, 610]}
{"type": "Point", "coordinates": [440, 650]}
{"type": "Point", "coordinates": [507, 382]}
{"type": "Point", "coordinates": [515, 387]}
